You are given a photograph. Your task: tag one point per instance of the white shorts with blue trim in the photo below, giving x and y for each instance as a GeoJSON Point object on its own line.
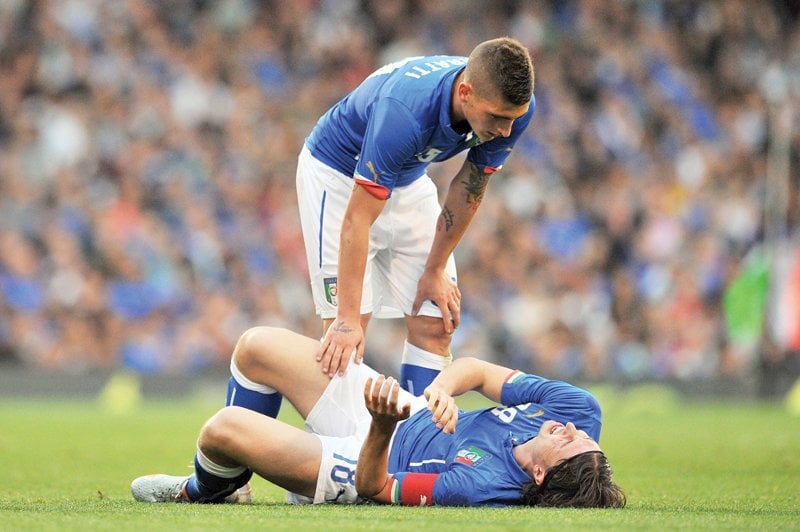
{"type": "Point", "coordinates": [399, 244]}
{"type": "Point", "coordinates": [341, 421]}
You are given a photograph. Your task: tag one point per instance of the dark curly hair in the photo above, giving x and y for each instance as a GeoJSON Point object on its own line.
{"type": "Point", "coordinates": [502, 65]}
{"type": "Point", "coordinates": [582, 481]}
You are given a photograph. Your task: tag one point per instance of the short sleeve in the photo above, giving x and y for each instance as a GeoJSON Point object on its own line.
{"type": "Point", "coordinates": [391, 139]}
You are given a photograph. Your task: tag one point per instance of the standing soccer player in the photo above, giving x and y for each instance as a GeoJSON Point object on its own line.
{"type": "Point", "coordinates": [377, 240]}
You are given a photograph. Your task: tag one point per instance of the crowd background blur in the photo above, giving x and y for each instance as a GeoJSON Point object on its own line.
{"type": "Point", "coordinates": [148, 208]}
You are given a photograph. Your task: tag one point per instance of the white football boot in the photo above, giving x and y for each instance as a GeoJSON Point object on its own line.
{"type": "Point", "coordinates": [167, 488]}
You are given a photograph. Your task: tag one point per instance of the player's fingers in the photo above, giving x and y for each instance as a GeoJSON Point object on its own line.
{"type": "Point", "coordinates": [386, 389]}
{"type": "Point", "coordinates": [359, 350]}
{"type": "Point", "coordinates": [446, 318]}
{"type": "Point", "coordinates": [431, 396]}
{"type": "Point", "coordinates": [440, 409]}
{"type": "Point", "coordinates": [416, 306]}
{"type": "Point", "coordinates": [323, 348]}
{"type": "Point", "coordinates": [368, 393]}
{"type": "Point", "coordinates": [325, 360]}
{"type": "Point", "coordinates": [382, 397]}
{"type": "Point", "coordinates": [394, 393]}
{"type": "Point", "coordinates": [433, 403]}
{"type": "Point", "coordinates": [456, 316]}
{"type": "Point", "coordinates": [437, 405]}
{"type": "Point", "coordinates": [376, 387]}
{"type": "Point", "coordinates": [444, 410]}
{"type": "Point", "coordinates": [394, 399]}
{"type": "Point", "coordinates": [450, 426]}
{"type": "Point", "coordinates": [373, 393]}
{"type": "Point", "coordinates": [343, 363]}
{"type": "Point", "coordinates": [335, 361]}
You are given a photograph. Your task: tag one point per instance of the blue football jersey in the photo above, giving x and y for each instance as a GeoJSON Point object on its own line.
{"type": "Point", "coordinates": [476, 465]}
{"type": "Point", "coordinates": [392, 126]}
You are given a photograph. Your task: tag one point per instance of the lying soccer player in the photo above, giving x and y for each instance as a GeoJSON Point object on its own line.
{"type": "Point", "coordinates": [540, 448]}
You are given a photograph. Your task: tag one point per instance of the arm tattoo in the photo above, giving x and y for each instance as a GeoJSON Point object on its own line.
{"type": "Point", "coordinates": [447, 216]}
{"type": "Point", "coordinates": [475, 185]}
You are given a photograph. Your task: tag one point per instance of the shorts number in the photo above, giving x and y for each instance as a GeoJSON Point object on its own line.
{"type": "Point", "coordinates": [343, 475]}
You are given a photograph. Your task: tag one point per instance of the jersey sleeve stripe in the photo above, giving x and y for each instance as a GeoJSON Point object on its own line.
{"type": "Point", "coordinates": [377, 190]}
{"type": "Point", "coordinates": [395, 492]}
{"type": "Point", "coordinates": [513, 377]}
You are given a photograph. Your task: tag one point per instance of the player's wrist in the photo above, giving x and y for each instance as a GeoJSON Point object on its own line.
{"type": "Point", "coordinates": [434, 272]}
{"type": "Point", "coordinates": [381, 428]}
{"type": "Point", "coordinates": [347, 320]}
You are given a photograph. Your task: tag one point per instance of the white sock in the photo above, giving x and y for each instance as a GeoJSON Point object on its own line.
{"type": "Point", "coordinates": [416, 356]}
{"type": "Point", "coordinates": [244, 382]}
{"type": "Point", "coordinates": [216, 469]}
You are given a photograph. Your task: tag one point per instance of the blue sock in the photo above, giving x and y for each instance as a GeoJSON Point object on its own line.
{"type": "Point", "coordinates": [415, 379]}
{"type": "Point", "coordinates": [251, 395]}
{"type": "Point", "coordinates": [213, 486]}
{"type": "Point", "coordinates": [419, 368]}
{"type": "Point", "coordinates": [268, 404]}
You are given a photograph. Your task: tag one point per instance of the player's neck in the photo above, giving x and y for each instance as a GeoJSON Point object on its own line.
{"type": "Point", "coordinates": [523, 454]}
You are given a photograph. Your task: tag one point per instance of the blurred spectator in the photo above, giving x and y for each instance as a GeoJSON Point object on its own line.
{"type": "Point", "coordinates": [147, 152]}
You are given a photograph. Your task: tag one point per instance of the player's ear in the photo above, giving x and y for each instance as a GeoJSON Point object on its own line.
{"type": "Point", "coordinates": [465, 89]}
{"type": "Point", "coordinates": [538, 474]}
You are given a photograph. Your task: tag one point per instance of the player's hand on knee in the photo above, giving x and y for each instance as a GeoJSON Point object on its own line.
{"type": "Point", "coordinates": [340, 344]}
{"type": "Point", "coordinates": [359, 352]}
{"type": "Point", "coordinates": [439, 288]}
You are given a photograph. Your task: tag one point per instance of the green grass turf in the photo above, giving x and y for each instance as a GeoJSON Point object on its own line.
{"type": "Point", "coordinates": [67, 465]}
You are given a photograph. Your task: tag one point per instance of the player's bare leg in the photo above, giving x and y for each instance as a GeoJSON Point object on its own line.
{"type": "Point", "coordinates": [281, 453]}
{"type": "Point", "coordinates": [285, 362]}
{"type": "Point", "coordinates": [425, 354]}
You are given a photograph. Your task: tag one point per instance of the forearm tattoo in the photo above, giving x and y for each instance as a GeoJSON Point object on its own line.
{"type": "Point", "coordinates": [475, 185]}
{"type": "Point", "coordinates": [447, 218]}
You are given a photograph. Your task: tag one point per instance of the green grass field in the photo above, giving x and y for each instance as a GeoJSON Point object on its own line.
{"type": "Point", "coordinates": [684, 465]}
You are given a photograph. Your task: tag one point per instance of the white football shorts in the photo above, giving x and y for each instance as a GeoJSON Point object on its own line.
{"type": "Point", "coordinates": [399, 244]}
{"type": "Point", "coordinates": [341, 421]}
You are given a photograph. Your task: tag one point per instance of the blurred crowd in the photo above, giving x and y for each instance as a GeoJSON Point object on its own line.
{"type": "Point", "coordinates": [147, 163]}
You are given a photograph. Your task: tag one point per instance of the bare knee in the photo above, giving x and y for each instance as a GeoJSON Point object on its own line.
{"type": "Point", "coordinates": [218, 433]}
{"type": "Point", "coordinates": [253, 347]}
{"type": "Point", "coordinates": [428, 333]}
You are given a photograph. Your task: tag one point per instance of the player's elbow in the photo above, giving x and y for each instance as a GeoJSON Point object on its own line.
{"type": "Point", "coordinates": [372, 485]}
{"type": "Point", "coordinates": [368, 485]}
{"type": "Point", "coordinates": [362, 485]}
{"type": "Point", "coordinates": [593, 405]}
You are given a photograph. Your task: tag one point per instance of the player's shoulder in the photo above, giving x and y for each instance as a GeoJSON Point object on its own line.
{"type": "Point", "coordinates": [423, 65]}
{"type": "Point", "coordinates": [428, 68]}
{"type": "Point", "coordinates": [421, 81]}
